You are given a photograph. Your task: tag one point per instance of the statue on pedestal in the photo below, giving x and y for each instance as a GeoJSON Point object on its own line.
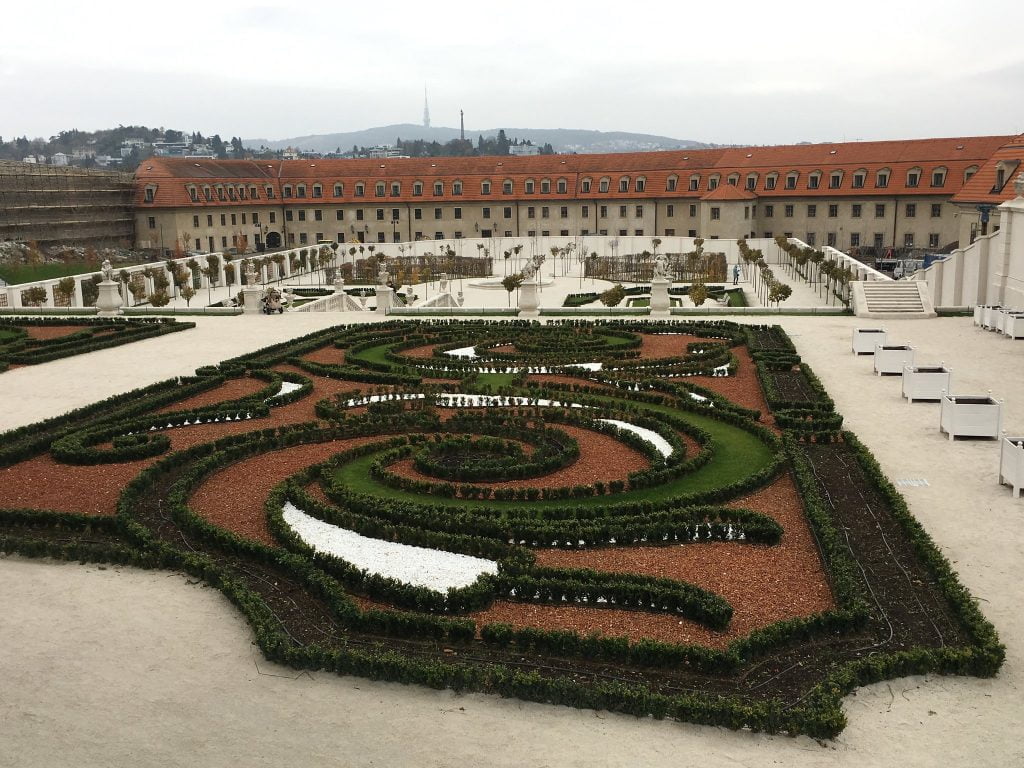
{"type": "Point", "coordinates": [382, 273]}
{"type": "Point", "coordinates": [108, 270]}
{"type": "Point", "coordinates": [250, 274]}
{"type": "Point", "coordinates": [660, 267]}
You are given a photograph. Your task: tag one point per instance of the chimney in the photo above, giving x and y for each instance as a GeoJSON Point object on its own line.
{"type": "Point", "coordinates": [462, 125]}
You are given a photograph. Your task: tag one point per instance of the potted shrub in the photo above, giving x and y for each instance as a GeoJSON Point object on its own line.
{"type": "Point", "coordinates": [971, 416]}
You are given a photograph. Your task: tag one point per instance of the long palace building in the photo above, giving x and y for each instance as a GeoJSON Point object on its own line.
{"type": "Point", "coordinates": [924, 194]}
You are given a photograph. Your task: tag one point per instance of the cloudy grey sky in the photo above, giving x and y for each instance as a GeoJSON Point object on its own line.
{"type": "Point", "coordinates": [738, 72]}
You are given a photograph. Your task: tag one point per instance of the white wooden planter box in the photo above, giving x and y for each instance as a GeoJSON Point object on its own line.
{"type": "Point", "coordinates": [865, 340]}
{"type": "Point", "coordinates": [989, 318]}
{"type": "Point", "coordinates": [926, 382]}
{"type": "Point", "coordinates": [891, 358]}
{"type": "Point", "coordinates": [1002, 317]}
{"type": "Point", "coordinates": [979, 314]}
{"type": "Point", "coordinates": [1013, 326]}
{"type": "Point", "coordinates": [1011, 463]}
{"type": "Point", "coordinates": [971, 416]}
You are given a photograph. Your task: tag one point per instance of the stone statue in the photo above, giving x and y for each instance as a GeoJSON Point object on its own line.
{"type": "Point", "coordinates": [1018, 185]}
{"type": "Point", "coordinates": [660, 267]}
{"type": "Point", "coordinates": [529, 271]}
{"type": "Point", "coordinates": [107, 269]}
{"type": "Point", "coordinates": [250, 274]}
{"type": "Point", "coordinates": [382, 274]}
{"type": "Point", "coordinates": [443, 277]}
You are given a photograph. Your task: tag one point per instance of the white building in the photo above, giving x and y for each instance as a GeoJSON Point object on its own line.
{"type": "Point", "coordinates": [59, 158]}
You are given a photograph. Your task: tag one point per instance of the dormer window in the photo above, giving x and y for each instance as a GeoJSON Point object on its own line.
{"type": "Point", "coordinates": [970, 172]}
{"type": "Point", "coordinates": [378, 189]}
{"type": "Point", "coordinates": [545, 186]}
{"type": "Point", "coordinates": [605, 183]}
{"type": "Point", "coordinates": [241, 193]}
{"type": "Point", "coordinates": [882, 179]}
{"type": "Point", "coordinates": [733, 179]}
{"type": "Point", "coordinates": [695, 182]}
{"type": "Point", "coordinates": [938, 177]}
{"type": "Point", "coordinates": [360, 189]}
{"type": "Point", "coordinates": [192, 193]}
{"type": "Point", "coordinates": [438, 188]}
{"type": "Point", "coordinates": [254, 192]}
{"type": "Point", "coordinates": [270, 193]}
{"type": "Point", "coordinates": [914, 177]}
{"type": "Point", "coordinates": [456, 187]}
{"type": "Point", "coordinates": [641, 184]}
{"type": "Point", "coordinates": [624, 184]}
{"type": "Point", "coordinates": [529, 186]}
{"type": "Point", "coordinates": [585, 186]}
{"type": "Point", "coordinates": [835, 179]}
{"type": "Point", "coordinates": [318, 191]}
{"type": "Point", "coordinates": [485, 187]}
{"type": "Point", "coordinates": [771, 180]}
{"type": "Point", "coordinates": [396, 189]}
{"type": "Point", "coordinates": [506, 187]}
{"type": "Point", "coordinates": [814, 181]}
{"type": "Point", "coordinates": [286, 192]}
{"type": "Point", "coordinates": [859, 178]}
{"type": "Point", "coordinates": [791, 179]}
{"type": "Point", "coordinates": [713, 182]}
{"type": "Point", "coordinates": [417, 188]}
{"type": "Point", "coordinates": [300, 190]}
{"type": "Point", "coordinates": [563, 186]}
{"type": "Point", "coordinates": [671, 183]}
{"type": "Point", "coordinates": [752, 182]}
{"type": "Point", "coordinates": [150, 194]}
{"type": "Point", "coordinates": [220, 194]}
{"type": "Point", "coordinates": [339, 190]}
{"type": "Point", "coordinates": [231, 193]}
{"type": "Point", "coordinates": [208, 194]}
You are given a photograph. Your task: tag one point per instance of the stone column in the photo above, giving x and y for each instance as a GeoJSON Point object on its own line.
{"type": "Point", "coordinates": [529, 304]}
{"type": "Point", "coordinates": [385, 299]}
{"type": "Point", "coordinates": [660, 302]}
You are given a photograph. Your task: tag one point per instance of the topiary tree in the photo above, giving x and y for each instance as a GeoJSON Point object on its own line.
{"type": "Point", "coordinates": [34, 296]}
{"type": "Point", "coordinates": [511, 283]}
{"type": "Point", "coordinates": [698, 293]}
{"type": "Point", "coordinates": [187, 292]}
{"type": "Point", "coordinates": [66, 289]}
{"type": "Point", "coordinates": [159, 298]}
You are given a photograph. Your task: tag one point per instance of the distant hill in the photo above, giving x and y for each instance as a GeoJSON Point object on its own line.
{"type": "Point", "coordinates": [562, 139]}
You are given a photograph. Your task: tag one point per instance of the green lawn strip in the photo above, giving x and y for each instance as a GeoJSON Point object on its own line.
{"type": "Point", "coordinates": [15, 274]}
{"type": "Point", "coordinates": [737, 455]}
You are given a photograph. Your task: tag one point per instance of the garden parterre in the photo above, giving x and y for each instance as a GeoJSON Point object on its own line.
{"type": "Point", "coordinates": [651, 634]}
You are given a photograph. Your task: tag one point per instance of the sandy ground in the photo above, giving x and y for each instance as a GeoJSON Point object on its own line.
{"type": "Point", "coordinates": [111, 667]}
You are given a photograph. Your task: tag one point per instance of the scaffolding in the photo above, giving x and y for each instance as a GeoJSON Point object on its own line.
{"type": "Point", "coordinates": [55, 205]}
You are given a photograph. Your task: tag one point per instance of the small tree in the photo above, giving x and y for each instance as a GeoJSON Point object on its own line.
{"type": "Point", "coordinates": [698, 293]}
{"type": "Point", "coordinates": [229, 273]}
{"type": "Point", "coordinates": [66, 289]}
{"type": "Point", "coordinates": [34, 296]}
{"type": "Point", "coordinates": [159, 299]}
{"type": "Point", "coordinates": [512, 283]}
{"type": "Point", "coordinates": [137, 290]}
{"type": "Point", "coordinates": [187, 292]}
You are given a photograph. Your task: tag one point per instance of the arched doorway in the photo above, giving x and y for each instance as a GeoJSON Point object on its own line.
{"type": "Point", "coordinates": [273, 239]}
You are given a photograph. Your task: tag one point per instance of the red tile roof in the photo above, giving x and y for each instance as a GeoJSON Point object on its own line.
{"type": "Point", "coordinates": [729, 192]}
{"type": "Point", "coordinates": [171, 176]}
{"type": "Point", "coordinates": [981, 187]}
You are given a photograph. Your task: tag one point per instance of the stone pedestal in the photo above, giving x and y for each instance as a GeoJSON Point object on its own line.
{"type": "Point", "coordinates": [660, 302]}
{"type": "Point", "coordinates": [529, 303]}
{"type": "Point", "coordinates": [385, 299]}
{"type": "Point", "coordinates": [109, 301]}
{"type": "Point", "coordinates": [251, 300]}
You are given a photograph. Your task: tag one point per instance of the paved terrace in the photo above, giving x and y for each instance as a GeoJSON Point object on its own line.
{"type": "Point", "coordinates": [107, 666]}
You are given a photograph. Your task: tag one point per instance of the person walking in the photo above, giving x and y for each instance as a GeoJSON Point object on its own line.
{"type": "Point", "coordinates": [735, 274]}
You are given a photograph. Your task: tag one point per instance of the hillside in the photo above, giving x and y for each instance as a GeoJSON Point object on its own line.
{"type": "Point", "coordinates": [562, 139]}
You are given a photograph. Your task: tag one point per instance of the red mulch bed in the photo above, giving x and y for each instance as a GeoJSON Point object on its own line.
{"type": "Point", "coordinates": [42, 483]}
{"type": "Point", "coordinates": [744, 388]}
{"type": "Point", "coordinates": [763, 584]}
{"type": "Point", "coordinates": [426, 350]}
{"type": "Point", "coordinates": [329, 355]}
{"type": "Point", "coordinates": [229, 390]}
{"type": "Point", "coordinates": [601, 458]}
{"type": "Point", "coordinates": [657, 345]}
{"type": "Point", "coordinates": [45, 332]}
{"type": "Point", "coordinates": [233, 497]}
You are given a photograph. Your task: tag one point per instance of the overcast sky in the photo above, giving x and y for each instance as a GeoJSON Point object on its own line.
{"type": "Point", "coordinates": [728, 72]}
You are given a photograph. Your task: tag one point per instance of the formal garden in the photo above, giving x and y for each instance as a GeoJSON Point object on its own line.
{"type": "Point", "coordinates": [34, 340]}
{"type": "Point", "coordinates": [661, 519]}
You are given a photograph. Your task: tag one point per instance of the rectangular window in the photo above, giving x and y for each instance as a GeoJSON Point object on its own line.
{"type": "Point", "coordinates": [670, 210]}
{"type": "Point", "coordinates": [531, 212]}
{"type": "Point", "coordinates": [936, 210]}
{"type": "Point", "coordinates": [789, 211]}
{"type": "Point", "coordinates": [255, 217]}
{"type": "Point", "coordinates": [318, 215]}
{"type": "Point", "coordinates": [288, 216]}
{"type": "Point", "coordinates": [224, 240]}
{"type": "Point", "coordinates": [458, 213]}
{"type": "Point", "coordinates": [622, 211]}
{"type": "Point", "coordinates": [273, 217]}
{"type": "Point", "coordinates": [437, 213]}
{"type": "Point", "coordinates": [563, 232]}
{"type": "Point", "coordinates": [487, 213]}
{"type": "Point", "coordinates": [908, 240]}
{"type": "Point", "coordinates": [879, 210]}
{"type": "Point", "coordinates": [223, 220]}
{"type": "Point", "coordinates": [623, 232]}
{"type": "Point", "coordinates": [833, 210]}
{"type": "Point", "coordinates": [830, 239]}
{"type": "Point", "coordinates": [195, 222]}
{"type": "Point", "coordinates": [716, 213]}
{"type": "Point", "coordinates": [302, 215]}
{"type": "Point", "coordinates": [933, 240]}
{"type": "Point", "coordinates": [152, 222]}
{"type": "Point", "coordinates": [670, 233]}
{"type": "Point", "coordinates": [639, 211]}
{"type": "Point", "coordinates": [380, 237]}
{"type": "Point", "coordinates": [693, 210]}
{"type": "Point", "coordinates": [812, 238]}
{"type": "Point", "coordinates": [855, 210]}
{"type": "Point", "coordinates": [812, 211]}
{"type": "Point", "coordinates": [769, 211]}
{"type": "Point", "coordinates": [417, 213]}
{"type": "Point", "coordinates": [319, 236]}
{"type": "Point", "coordinates": [303, 238]}
{"type": "Point", "coordinates": [585, 211]}
{"type": "Point", "coordinates": [439, 235]}
{"type": "Point", "coordinates": [340, 237]}
{"type": "Point", "coordinates": [879, 239]}
{"type": "Point", "coordinates": [380, 214]}
{"type": "Point", "coordinates": [545, 212]}
{"type": "Point", "coordinates": [209, 219]}
{"type": "Point", "coordinates": [911, 210]}
{"type": "Point", "coordinates": [855, 239]}
{"type": "Point", "coordinates": [339, 214]}
{"type": "Point", "coordinates": [234, 220]}
{"type": "Point", "coordinates": [638, 232]}
{"type": "Point", "coordinates": [563, 212]}
{"type": "Point", "coordinates": [359, 214]}
{"type": "Point", "coordinates": [507, 212]}
{"type": "Point", "coordinates": [603, 212]}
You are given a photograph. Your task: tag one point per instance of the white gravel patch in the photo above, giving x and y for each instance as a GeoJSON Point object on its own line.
{"type": "Point", "coordinates": [286, 387]}
{"type": "Point", "coordinates": [469, 352]}
{"type": "Point", "coordinates": [422, 567]}
{"type": "Point", "coordinates": [660, 443]}
{"type": "Point", "coordinates": [457, 400]}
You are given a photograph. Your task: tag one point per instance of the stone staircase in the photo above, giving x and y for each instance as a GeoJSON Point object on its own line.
{"type": "Point", "coordinates": [891, 299]}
